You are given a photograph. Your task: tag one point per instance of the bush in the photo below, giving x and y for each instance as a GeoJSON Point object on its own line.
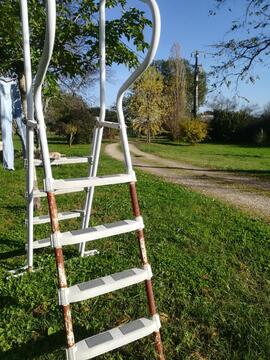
{"type": "Point", "coordinates": [230, 126]}
{"type": "Point", "coordinates": [193, 131]}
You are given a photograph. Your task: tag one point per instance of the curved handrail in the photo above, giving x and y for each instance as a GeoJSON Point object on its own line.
{"type": "Point", "coordinates": [138, 72]}
{"type": "Point", "coordinates": [152, 50]}
{"type": "Point", "coordinates": [39, 81]}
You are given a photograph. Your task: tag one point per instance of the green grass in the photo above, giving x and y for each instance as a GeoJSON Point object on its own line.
{"type": "Point", "coordinates": [211, 266]}
{"type": "Point", "coordinates": [238, 158]}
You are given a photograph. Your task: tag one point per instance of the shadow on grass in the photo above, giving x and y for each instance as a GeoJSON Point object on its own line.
{"type": "Point", "coordinates": [15, 207]}
{"type": "Point", "coordinates": [12, 254]}
{"type": "Point", "coordinates": [164, 142]}
{"type": "Point", "coordinates": [56, 140]}
{"type": "Point", "coordinates": [41, 346]}
{"type": "Point", "coordinates": [7, 301]}
{"type": "Point", "coordinates": [232, 171]}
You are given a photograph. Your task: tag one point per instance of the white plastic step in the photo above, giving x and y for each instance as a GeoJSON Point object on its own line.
{"type": "Point", "coordinates": [44, 219]}
{"type": "Point", "coordinates": [93, 233]}
{"type": "Point", "coordinates": [103, 285]}
{"type": "Point", "coordinates": [40, 194]}
{"type": "Point", "coordinates": [65, 161]}
{"type": "Point", "coordinates": [92, 181]}
{"type": "Point", "coordinates": [113, 339]}
{"type": "Point", "coordinates": [109, 124]}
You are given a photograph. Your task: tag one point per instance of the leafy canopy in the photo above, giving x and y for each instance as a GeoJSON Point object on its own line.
{"type": "Point", "coordinates": [76, 51]}
{"type": "Point", "coordinates": [147, 105]}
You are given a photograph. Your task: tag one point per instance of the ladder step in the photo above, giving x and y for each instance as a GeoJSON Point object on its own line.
{"type": "Point", "coordinates": [92, 181]}
{"type": "Point", "coordinates": [65, 160]}
{"type": "Point", "coordinates": [113, 339]}
{"type": "Point", "coordinates": [44, 219]}
{"type": "Point", "coordinates": [93, 233]}
{"type": "Point", "coordinates": [103, 285]}
{"type": "Point", "coordinates": [109, 124]}
{"type": "Point", "coordinates": [41, 194]}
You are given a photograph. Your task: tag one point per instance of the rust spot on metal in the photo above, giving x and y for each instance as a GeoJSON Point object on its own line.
{"type": "Point", "coordinates": [150, 296]}
{"type": "Point", "coordinates": [140, 236]}
{"type": "Point", "coordinates": [59, 258]}
{"type": "Point", "coordinates": [60, 267]}
{"type": "Point", "coordinates": [53, 212]}
{"type": "Point", "coordinates": [148, 283]}
{"type": "Point", "coordinates": [134, 199]}
{"type": "Point", "coordinates": [159, 346]}
{"type": "Point", "coordinates": [68, 326]}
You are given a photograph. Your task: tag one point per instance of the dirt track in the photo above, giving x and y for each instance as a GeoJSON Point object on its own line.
{"type": "Point", "coordinates": [248, 193]}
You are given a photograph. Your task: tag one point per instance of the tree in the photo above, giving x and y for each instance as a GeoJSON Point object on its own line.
{"type": "Point", "coordinates": [76, 50]}
{"type": "Point", "coordinates": [69, 115]}
{"type": "Point", "coordinates": [249, 45]}
{"type": "Point", "coordinates": [146, 104]}
{"type": "Point", "coordinates": [175, 93]}
{"type": "Point", "coordinates": [178, 76]}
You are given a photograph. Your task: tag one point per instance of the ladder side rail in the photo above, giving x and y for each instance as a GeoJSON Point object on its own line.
{"type": "Point", "coordinates": [138, 72]}
{"type": "Point", "coordinates": [133, 192]}
{"type": "Point", "coordinates": [55, 237]}
{"type": "Point", "coordinates": [30, 177]}
{"type": "Point", "coordinates": [148, 283]}
{"type": "Point", "coordinates": [123, 133]}
{"type": "Point", "coordinates": [39, 81]}
{"type": "Point", "coordinates": [102, 115]}
{"type": "Point", "coordinates": [90, 193]}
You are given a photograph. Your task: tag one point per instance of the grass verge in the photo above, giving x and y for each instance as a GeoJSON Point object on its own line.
{"type": "Point", "coordinates": [211, 266]}
{"type": "Point", "coordinates": [236, 158]}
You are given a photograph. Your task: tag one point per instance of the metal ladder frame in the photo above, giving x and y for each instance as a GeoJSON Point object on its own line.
{"type": "Point", "coordinates": [30, 162]}
{"type": "Point", "coordinates": [50, 185]}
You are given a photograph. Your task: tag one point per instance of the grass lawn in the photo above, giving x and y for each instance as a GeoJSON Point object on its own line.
{"type": "Point", "coordinates": [211, 266]}
{"type": "Point", "coordinates": [238, 158]}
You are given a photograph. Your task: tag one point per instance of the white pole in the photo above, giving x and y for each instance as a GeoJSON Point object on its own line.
{"type": "Point", "coordinates": [149, 58]}
{"type": "Point", "coordinates": [29, 134]}
{"type": "Point", "coordinates": [97, 139]}
{"type": "Point", "coordinates": [141, 69]}
{"type": "Point", "coordinates": [40, 77]}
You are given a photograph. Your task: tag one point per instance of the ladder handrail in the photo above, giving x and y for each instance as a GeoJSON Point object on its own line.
{"type": "Point", "coordinates": [144, 65]}
{"type": "Point", "coordinates": [102, 52]}
{"type": "Point", "coordinates": [29, 131]}
{"type": "Point", "coordinates": [138, 72]}
{"type": "Point", "coordinates": [152, 50]}
{"type": "Point", "coordinates": [39, 81]}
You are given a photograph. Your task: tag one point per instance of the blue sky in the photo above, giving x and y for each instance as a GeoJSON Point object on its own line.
{"type": "Point", "coordinates": [189, 24]}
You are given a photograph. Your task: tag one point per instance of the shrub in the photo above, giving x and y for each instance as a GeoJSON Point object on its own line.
{"type": "Point", "coordinates": [230, 125]}
{"type": "Point", "coordinates": [193, 131]}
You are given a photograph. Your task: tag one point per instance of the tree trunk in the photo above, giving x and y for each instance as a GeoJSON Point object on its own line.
{"type": "Point", "coordinates": [148, 135]}
{"type": "Point", "coordinates": [71, 138]}
{"type": "Point", "coordinates": [37, 202]}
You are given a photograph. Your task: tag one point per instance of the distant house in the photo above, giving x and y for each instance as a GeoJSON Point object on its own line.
{"type": "Point", "coordinates": [207, 116]}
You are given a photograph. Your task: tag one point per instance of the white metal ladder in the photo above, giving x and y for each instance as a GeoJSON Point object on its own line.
{"type": "Point", "coordinates": [124, 334]}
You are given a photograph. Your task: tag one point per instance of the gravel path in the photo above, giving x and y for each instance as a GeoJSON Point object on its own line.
{"type": "Point", "coordinates": [248, 193]}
